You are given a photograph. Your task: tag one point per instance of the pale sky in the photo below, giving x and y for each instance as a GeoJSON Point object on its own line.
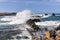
{"type": "Point", "coordinates": [36, 6]}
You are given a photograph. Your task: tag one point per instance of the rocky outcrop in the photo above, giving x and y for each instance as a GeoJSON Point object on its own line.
{"type": "Point", "coordinates": [32, 24]}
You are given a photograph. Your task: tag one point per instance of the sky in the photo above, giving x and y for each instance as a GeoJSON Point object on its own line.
{"type": "Point", "coordinates": [36, 6]}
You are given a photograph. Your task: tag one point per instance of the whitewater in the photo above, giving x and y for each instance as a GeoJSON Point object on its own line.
{"type": "Point", "coordinates": [18, 23]}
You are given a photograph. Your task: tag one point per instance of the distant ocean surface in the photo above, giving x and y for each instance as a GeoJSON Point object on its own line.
{"type": "Point", "coordinates": [52, 18]}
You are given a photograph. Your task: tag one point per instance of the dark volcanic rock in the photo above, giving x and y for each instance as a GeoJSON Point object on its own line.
{"type": "Point", "coordinates": [32, 24]}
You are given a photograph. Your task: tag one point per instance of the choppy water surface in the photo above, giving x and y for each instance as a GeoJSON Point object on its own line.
{"type": "Point", "coordinates": [11, 32]}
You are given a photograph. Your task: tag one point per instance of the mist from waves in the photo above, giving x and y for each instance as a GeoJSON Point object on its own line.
{"type": "Point", "coordinates": [17, 26]}
{"type": "Point", "coordinates": [21, 17]}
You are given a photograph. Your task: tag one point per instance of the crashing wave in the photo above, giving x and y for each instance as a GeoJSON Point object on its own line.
{"type": "Point", "coordinates": [21, 17]}
{"type": "Point", "coordinates": [7, 18]}
{"type": "Point", "coordinates": [48, 24]}
{"type": "Point", "coordinates": [45, 16]}
{"type": "Point", "coordinates": [24, 18]}
{"type": "Point", "coordinates": [18, 20]}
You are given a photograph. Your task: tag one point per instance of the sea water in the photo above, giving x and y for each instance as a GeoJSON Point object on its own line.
{"type": "Point", "coordinates": [15, 29]}
{"type": "Point", "coordinates": [52, 18]}
{"type": "Point", "coordinates": [7, 33]}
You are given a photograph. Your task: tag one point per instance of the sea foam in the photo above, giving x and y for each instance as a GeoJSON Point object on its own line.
{"type": "Point", "coordinates": [21, 17]}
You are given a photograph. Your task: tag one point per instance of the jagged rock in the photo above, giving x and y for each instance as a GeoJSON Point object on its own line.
{"type": "Point", "coordinates": [32, 24]}
{"type": "Point", "coordinates": [53, 33]}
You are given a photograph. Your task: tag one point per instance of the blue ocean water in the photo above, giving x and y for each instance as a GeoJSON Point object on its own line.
{"type": "Point", "coordinates": [52, 18]}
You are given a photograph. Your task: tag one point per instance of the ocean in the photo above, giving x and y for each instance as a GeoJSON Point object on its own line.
{"type": "Point", "coordinates": [18, 32]}
{"type": "Point", "coordinates": [52, 18]}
